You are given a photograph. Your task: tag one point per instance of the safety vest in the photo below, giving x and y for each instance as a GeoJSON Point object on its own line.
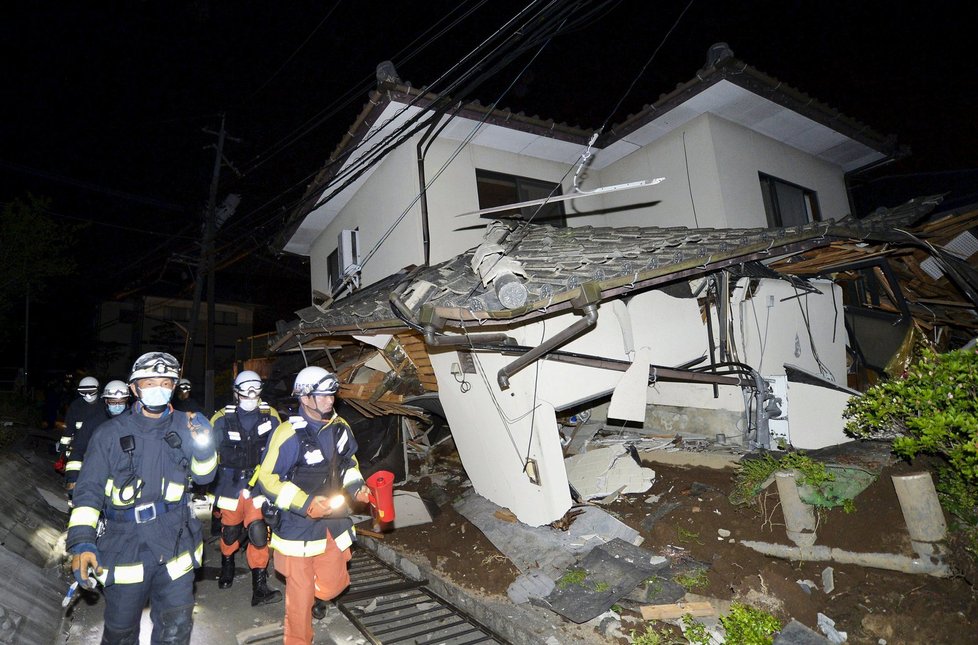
{"type": "Point", "coordinates": [241, 449]}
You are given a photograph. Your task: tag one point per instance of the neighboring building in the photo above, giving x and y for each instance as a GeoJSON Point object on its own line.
{"type": "Point", "coordinates": [736, 147]}
{"type": "Point", "coordinates": [131, 327]}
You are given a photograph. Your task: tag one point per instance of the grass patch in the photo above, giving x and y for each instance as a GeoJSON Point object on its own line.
{"type": "Point", "coordinates": [693, 580]}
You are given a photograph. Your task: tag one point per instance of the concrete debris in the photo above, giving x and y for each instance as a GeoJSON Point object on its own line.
{"type": "Point", "coordinates": [827, 625]}
{"type": "Point", "coordinates": [534, 584]}
{"type": "Point", "coordinates": [543, 548]}
{"type": "Point", "coordinates": [807, 586]}
{"type": "Point", "coordinates": [795, 633]}
{"type": "Point", "coordinates": [601, 472]}
{"type": "Point", "coordinates": [828, 579]}
{"type": "Point", "coordinates": [409, 509]}
{"type": "Point", "coordinates": [724, 533]}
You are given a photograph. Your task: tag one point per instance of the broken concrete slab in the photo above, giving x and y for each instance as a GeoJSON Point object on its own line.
{"type": "Point", "coordinates": [590, 587]}
{"type": "Point", "coordinates": [409, 509]}
{"type": "Point", "coordinates": [534, 584]}
{"type": "Point", "coordinates": [544, 548]}
{"type": "Point", "coordinates": [795, 633]}
{"type": "Point", "coordinates": [601, 472]}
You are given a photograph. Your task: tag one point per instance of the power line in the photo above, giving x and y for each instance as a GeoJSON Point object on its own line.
{"type": "Point", "coordinates": [294, 52]}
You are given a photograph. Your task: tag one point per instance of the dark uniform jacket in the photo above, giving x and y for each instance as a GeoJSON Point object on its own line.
{"type": "Point", "coordinates": [143, 494]}
{"type": "Point", "coordinates": [307, 458]}
{"type": "Point", "coordinates": [241, 438]}
{"type": "Point", "coordinates": [79, 413]}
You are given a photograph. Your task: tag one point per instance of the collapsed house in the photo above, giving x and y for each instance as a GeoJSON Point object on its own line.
{"type": "Point", "coordinates": [743, 335]}
{"type": "Point", "coordinates": [693, 270]}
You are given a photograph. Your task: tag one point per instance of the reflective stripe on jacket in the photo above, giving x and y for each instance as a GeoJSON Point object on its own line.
{"type": "Point", "coordinates": [159, 472]}
{"type": "Point", "coordinates": [298, 534]}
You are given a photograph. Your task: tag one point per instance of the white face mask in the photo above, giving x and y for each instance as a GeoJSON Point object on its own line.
{"type": "Point", "coordinates": [116, 409]}
{"type": "Point", "coordinates": [155, 397]}
{"type": "Point", "coordinates": [247, 404]}
{"type": "Point", "coordinates": [89, 398]}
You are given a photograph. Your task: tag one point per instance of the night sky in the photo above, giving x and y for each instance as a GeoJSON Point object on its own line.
{"type": "Point", "coordinates": [106, 104]}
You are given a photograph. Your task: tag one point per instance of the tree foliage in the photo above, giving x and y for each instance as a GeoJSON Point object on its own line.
{"type": "Point", "coordinates": [34, 250]}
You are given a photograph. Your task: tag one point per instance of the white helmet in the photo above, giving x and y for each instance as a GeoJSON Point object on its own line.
{"type": "Point", "coordinates": [155, 365]}
{"type": "Point", "coordinates": [88, 385]}
{"type": "Point", "coordinates": [115, 390]}
{"type": "Point", "coordinates": [315, 380]}
{"type": "Point", "coordinates": [247, 384]}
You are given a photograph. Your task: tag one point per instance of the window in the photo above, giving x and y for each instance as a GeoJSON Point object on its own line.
{"type": "Point", "coordinates": [333, 269]}
{"type": "Point", "coordinates": [226, 317]}
{"type": "Point", "coordinates": [498, 189]}
{"type": "Point", "coordinates": [788, 204]}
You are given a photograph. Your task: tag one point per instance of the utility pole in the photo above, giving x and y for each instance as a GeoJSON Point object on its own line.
{"type": "Point", "coordinates": [205, 270]}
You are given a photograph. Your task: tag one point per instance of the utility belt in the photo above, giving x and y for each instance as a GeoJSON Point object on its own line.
{"type": "Point", "coordinates": [142, 513]}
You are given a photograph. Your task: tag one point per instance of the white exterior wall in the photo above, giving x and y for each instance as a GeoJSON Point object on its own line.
{"type": "Point", "coordinates": [667, 158]}
{"type": "Point", "coordinates": [742, 153]}
{"type": "Point", "coordinates": [373, 209]}
{"type": "Point", "coordinates": [673, 328]}
{"type": "Point", "coordinates": [494, 429]}
{"type": "Point", "coordinates": [455, 191]}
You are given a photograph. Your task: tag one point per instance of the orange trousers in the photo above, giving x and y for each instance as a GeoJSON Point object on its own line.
{"type": "Point", "coordinates": [245, 514]}
{"type": "Point", "coordinates": [323, 576]}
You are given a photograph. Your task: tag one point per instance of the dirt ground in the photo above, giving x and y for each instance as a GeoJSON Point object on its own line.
{"type": "Point", "coordinates": [871, 605]}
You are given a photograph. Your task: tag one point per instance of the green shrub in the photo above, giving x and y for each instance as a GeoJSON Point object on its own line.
{"type": "Point", "coordinates": [748, 626]}
{"type": "Point", "coordinates": [932, 410]}
{"type": "Point", "coordinates": [752, 473]}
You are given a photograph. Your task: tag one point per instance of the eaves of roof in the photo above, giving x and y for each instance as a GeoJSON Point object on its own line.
{"type": "Point", "coordinates": [388, 93]}
{"type": "Point", "coordinates": [750, 78]}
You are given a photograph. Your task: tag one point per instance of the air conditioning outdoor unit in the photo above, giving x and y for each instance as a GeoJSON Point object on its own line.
{"type": "Point", "coordinates": [348, 245]}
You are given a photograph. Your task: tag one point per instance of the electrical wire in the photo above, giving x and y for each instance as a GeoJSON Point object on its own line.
{"type": "Point", "coordinates": [294, 52]}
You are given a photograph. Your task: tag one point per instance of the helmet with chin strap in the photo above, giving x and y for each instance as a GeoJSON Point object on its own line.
{"type": "Point", "coordinates": [88, 385]}
{"type": "Point", "coordinates": [155, 365]}
{"type": "Point", "coordinates": [315, 380]}
{"type": "Point", "coordinates": [115, 390]}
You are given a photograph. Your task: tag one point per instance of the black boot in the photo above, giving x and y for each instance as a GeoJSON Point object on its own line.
{"type": "Point", "coordinates": [260, 593]}
{"type": "Point", "coordinates": [227, 572]}
{"type": "Point", "coordinates": [319, 609]}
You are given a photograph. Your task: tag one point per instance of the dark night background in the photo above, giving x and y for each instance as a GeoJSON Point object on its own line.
{"type": "Point", "coordinates": [105, 106]}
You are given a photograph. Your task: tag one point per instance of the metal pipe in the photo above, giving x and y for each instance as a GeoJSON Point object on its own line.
{"type": "Point", "coordinates": [565, 336]}
{"type": "Point", "coordinates": [888, 561]}
{"type": "Point", "coordinates": [442, 340]}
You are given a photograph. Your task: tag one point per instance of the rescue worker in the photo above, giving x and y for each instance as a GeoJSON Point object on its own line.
{"type": "Point", "coordinates": [183, 401]}
{"type": "Point", "coordinates": [311, 462]}
{"type": "Point", "coordinates": [115, 396]}
{"type": "Point", "coordinates": [241, 432]}
{"type": "Point", "coordinates": [137, 473]}
{"type": "Point", "coordinates": [83, 411]}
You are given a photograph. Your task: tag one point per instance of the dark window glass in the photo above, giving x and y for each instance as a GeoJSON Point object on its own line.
{"type": "Point", "coordinates": [498, 189]}
{"type": "Point", "coordinates": [333, 268]}
{"type": "Point", "coordinates": [788, 204]}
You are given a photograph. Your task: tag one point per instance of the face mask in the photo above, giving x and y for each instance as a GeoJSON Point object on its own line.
{"type": "Point", "coordinates": [155, 397]}
{"type": "Point", "coordinates": [116, 409]}
{"type": "Point", "coordinates": [248, 404]}
{"type": "Point", "coordinates": [89, 398]}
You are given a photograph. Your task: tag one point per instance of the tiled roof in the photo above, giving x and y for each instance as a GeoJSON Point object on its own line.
{"type": "Point", "coordinates": [557, 261]}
